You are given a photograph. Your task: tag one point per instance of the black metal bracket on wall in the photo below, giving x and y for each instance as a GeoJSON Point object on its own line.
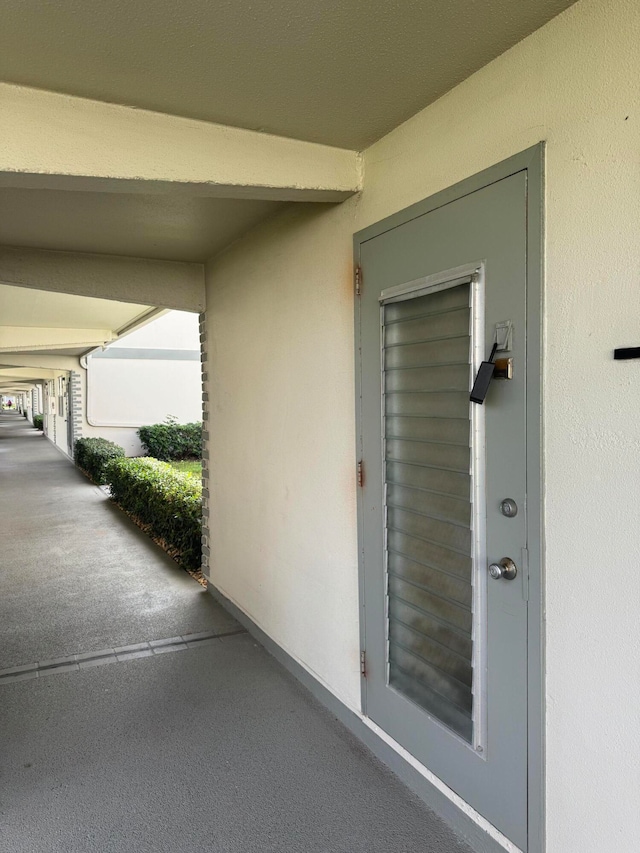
{"type": "Point", "coordinates": [625, 353]}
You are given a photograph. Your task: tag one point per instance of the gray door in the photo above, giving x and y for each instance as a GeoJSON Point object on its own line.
{"type": "Point", "coordinates": [446, 644]}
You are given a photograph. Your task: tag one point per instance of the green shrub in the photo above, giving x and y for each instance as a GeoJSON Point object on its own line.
{"type": "Point", "coordinates": [158, 495]}
{"type": "Point", "coordinates": [92, 455]}
{"type": "Point", "coordinates": [38, 421]}
{"type": "Point", "coordinates": [171, 440]}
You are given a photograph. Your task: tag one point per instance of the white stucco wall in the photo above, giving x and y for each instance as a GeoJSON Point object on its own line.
{"type": "Point", "coordinates": [122, 394]}
{"type": "Point", "coordinates": [283, 518]}
{"type": "Point", "coordinates": [280, 330]}
{"type": "Point", "coordinates": [169, 330]}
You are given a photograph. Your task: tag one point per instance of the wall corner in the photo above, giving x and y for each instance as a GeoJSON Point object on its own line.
{"type": "Point", "coordinates": [206, 553]}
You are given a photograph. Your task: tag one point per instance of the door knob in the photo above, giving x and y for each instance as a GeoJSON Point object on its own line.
{"type": "Point", "coordinates": [505, 569]}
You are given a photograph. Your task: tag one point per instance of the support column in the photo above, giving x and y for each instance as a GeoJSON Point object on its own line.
{"type": "Point", "coordinates": [75, 408]}
{"type": "Point", "coordinates": [206, 552]}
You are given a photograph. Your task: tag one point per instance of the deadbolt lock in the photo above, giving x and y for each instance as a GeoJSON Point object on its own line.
{"type": "Point", "coordinates": [503, 369]}
{"type": "Point", "coordinates": [505, 569]}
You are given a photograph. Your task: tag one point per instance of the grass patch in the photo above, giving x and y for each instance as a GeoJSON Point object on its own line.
{"type": "Point", "coordinates": [188, 466]}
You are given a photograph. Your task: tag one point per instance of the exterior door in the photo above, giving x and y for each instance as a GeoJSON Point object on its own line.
{"type": "Point", "coordinates": [445, 642]}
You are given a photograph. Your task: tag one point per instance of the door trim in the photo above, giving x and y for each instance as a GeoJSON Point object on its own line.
{"type": "Point", "coordinates": [530, 161]}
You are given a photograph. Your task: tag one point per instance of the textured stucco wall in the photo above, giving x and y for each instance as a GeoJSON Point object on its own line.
{"type": "Point", "coordinates": [282, 482]}
{"type": "Point", "coordinates": [131, 392]}
{"type": "Point", "coordinates": [124, 436]}
{"type": "Point", "coordinates": [123, 394]}
{"type": "Point", "coordinates": [280, 310]}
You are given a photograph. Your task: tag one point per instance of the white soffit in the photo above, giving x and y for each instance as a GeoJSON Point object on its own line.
{"type": "Point", "coordinates": [24, 307]}
{"type": "Point", "coordinates": [340, 73]}
{"type": "Point", "coordinates": [163, 226]}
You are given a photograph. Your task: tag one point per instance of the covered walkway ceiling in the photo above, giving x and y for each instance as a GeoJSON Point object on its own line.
{"type": "Point", "coordinates": [335, 72]}
{"type": "Point", "coordinates": [40, 331]}
{"type": "Point", "coordinates": [163, 226]}
{"type": "Point", "coordinates": [139, 140]}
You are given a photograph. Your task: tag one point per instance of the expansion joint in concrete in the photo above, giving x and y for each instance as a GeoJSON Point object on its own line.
{"type": "Point", "coordinates": [120, 654]}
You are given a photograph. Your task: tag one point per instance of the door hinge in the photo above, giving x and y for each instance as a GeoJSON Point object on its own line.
{"type": "Point", "coordinates": [358, 279]}
{"type": "Point", "coordinates": [363, 664]}
{"type": "Point", "coordinates": [360, 474]}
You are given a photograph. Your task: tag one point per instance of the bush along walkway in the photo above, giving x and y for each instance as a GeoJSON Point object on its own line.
{"type": "Point", "coordinates": [91, 455]}
{"type": "Point", "coordinates": [172, 441]}
{"type": "Point", "coordinates": [164, 502]}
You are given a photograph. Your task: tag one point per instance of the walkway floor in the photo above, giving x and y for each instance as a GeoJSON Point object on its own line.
{"type": "Point", "coordinates": [210, 747]}
{"type": "Point", "coordinates": [76, 574]}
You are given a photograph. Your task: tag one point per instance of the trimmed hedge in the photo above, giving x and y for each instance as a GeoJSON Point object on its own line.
{"type": "Point", "coordinates": [38, 422]}
{"type": "Point", "coordinates": [171, 441]}
{"type": "Point", "coordinates": [93, 454]}
{"type": "Point", "coordinates": [168, 501]}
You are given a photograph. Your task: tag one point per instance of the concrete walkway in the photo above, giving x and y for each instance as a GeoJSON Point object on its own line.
{"type": "Point", "coordinates": [76, 575]}
{"type": "Point", "coordinates": [186, 746]}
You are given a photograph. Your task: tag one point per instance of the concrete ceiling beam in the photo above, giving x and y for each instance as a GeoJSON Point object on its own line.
{"type": "Point", "coordinates": [49, 140]}
{"type": "Point", "coordinates": [11, 385]}
{"type": "Point", "coordinates": [34, 360]}
{"type": "Point", "coordinates": [26, 374]}
{"type": "Point", "coordinates": [30, 338]}
{"type": "Point", "coordinates": [167, 284]}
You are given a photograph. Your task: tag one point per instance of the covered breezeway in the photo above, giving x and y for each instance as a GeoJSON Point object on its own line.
{"type": "Point", "coordinates": [226, 161]}
{"type": "Point", "coordinates": [77, 575]}
{"type": "Point", "coordinates": [111, 659]}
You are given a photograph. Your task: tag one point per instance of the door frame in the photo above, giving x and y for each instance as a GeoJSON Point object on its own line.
{"type": "Point", "coordinates": [532, 162]}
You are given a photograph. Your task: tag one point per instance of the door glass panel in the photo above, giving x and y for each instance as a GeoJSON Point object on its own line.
{"type": "Point", "coordinates": [428, 510]}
